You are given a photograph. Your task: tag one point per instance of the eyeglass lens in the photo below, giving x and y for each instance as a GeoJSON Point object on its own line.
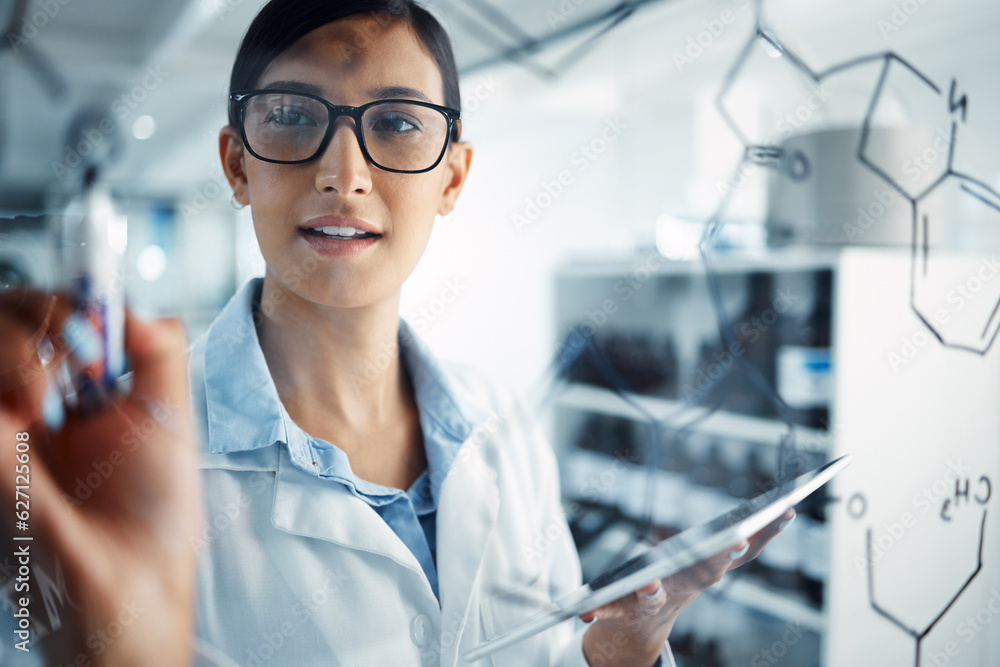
{"type": "Point", "coordinates": [398, 135]}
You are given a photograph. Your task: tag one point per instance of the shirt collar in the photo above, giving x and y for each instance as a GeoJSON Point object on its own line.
{"type": "Point", "coordinates": [245, 413]}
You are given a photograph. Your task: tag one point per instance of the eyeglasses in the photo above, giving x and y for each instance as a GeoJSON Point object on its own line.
{"type": "Point", "coordinates": [288, 127]}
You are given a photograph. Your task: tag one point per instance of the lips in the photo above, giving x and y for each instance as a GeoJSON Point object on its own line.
{"type": "Point", "coordinates": [341, 221]}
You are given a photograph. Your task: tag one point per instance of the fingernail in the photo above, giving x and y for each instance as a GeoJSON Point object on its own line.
{"type": "Point", "coordinates": [733, 555]}
{"type": "Point", "coordinates": [785, 524]}
{"type": "Point", "coordinates": [46, 351]}
{"type": "Point", "coordinates": [654, 594]}
{"type": "Point", "coordinates": [81, 338]}
{"type": "Point", "coordinates": [53, 411]}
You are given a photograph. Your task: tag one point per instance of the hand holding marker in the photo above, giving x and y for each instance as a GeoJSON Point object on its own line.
{"type": "Point", "coordinates": [93, 237]}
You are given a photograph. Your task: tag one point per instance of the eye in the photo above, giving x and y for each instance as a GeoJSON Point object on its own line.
{"type": "Point", "coordinates": [289, 115]}
{"type": "Point", "coordinates": [394, 122]}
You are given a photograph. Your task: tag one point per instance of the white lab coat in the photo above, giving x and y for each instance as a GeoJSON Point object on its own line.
{"type": "Point", "coordinates": [295, 570]}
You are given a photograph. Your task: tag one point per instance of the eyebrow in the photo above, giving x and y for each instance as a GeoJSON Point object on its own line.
{"type": "Point", "coordinates": [387, 92]}
{"type": "Point", "coordinates": [383, 93]}
{"type": "Point", "coordinates": [297, 86]}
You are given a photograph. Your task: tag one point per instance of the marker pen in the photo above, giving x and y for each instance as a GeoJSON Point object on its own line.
{"type": "Point", "coordinates": [93, 237]}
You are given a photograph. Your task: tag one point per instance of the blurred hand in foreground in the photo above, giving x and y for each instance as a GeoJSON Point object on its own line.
{"type": "Point", "coordinates": [115, 495]}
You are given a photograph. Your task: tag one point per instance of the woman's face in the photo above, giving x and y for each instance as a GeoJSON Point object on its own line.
{"type": "Point", "coordinates": [350, 62]}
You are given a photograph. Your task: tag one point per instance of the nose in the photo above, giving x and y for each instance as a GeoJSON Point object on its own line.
{"type": "Point", "coordinates": [342, 166]}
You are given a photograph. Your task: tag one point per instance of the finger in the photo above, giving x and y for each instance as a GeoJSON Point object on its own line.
{"type": "Point", "coordinates": [761, 539]}
{"type": "Point", "coordinates": [696, 578]}
{"type": "Point", "coordinates": [739, 554]}
{"type": "Point", "coordinates": [649, 599]}
{"type": "Point", "coordinates": [32, 342]}
{"type": "Point", "coordinates": [30, 308]}
{"type": "Point", "coordinates": [156, 354]}
{"type": "Point", "coordinates": [35, 312]}
{"type": "Point", "coordinates": [156, 351]}
{"type": "Point", "coordinates": [650, 590]}
{"type": "Point", "coordinates": [613, 609]}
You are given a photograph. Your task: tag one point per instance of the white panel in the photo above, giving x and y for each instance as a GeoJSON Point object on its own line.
{"type": "Point", "coordinates": [912, 412]}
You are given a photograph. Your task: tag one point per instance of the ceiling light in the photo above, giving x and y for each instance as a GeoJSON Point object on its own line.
{"type": "Point", "coordinates": [151, 262]}
{"type": "Point", "coordinates": [143, 128]}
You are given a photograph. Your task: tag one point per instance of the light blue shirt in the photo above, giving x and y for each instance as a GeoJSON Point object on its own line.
{"type": "Point", "coordinates": [245, 413]}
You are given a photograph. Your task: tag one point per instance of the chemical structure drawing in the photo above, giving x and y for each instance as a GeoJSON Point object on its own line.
{"type": "Point", "coordinates": [917, 634]}
{"type": "Point", "coordinates": [953, 299]}
{"type": "Point", "coordinates": [932, 276]}
{"type": "Point", "coordinates": [856, 509]}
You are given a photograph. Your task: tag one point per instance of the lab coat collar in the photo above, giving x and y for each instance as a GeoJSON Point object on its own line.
{"type": "Point", "coordinates": [312, 507]}
{"type": "Point", "coordinates": [244, 411]}
{"type": "Point", "coordinates": [467, 514]}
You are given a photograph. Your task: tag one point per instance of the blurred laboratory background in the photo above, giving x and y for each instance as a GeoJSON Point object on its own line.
{"type": "Point", "coordinates": [840, 169]}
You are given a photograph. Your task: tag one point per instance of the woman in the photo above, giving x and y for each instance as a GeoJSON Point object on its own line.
{"type": "Point", "coordinates": [350, 517]}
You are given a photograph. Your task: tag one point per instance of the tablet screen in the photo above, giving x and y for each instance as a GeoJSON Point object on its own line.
{"type": "Point", "coordinates": [671, 556]}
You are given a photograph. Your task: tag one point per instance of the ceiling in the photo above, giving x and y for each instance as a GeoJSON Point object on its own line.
{"type": "Point", "coordinates": [170, 59]}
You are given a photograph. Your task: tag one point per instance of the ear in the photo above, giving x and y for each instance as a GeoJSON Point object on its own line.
{"type": "Point", "coordinates": [456, 170]}
{"type": "Point", "coordinates": [233, 162]}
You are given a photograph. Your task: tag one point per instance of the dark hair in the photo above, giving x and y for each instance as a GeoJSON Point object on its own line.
{"type": "Point", "coordinates": [281, 23]}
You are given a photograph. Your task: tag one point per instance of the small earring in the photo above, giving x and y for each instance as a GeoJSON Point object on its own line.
{"type": "Point", "coordinates": [235, 204]}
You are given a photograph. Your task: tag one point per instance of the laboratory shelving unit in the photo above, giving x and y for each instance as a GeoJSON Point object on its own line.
{"type": "Point", "coordinates": [654, 299]}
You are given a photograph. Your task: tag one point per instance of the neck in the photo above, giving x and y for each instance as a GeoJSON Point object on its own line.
{"type": "Point", "coordinates": [337, 370]}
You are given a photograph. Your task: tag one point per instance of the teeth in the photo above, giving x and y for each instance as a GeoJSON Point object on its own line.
{"type": "Point", "coordinates": [340, 231]}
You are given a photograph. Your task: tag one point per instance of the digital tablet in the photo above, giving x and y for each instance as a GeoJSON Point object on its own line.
{"type": "Point", "coordinates": [670, 556]}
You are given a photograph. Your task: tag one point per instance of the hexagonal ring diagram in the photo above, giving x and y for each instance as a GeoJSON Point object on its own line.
{"type": "Point", "coordinates": [957, 294]}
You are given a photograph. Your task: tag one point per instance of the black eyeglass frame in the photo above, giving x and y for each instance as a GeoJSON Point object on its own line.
{"type": "Point", "coordinates": [239, 98]}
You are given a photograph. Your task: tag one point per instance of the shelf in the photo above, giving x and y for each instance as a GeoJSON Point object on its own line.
{"type": "Point", "coordinates": [752, 594]}
{"type": "Point", "coordinates": [721, 424]}
{"type": "Point", "coordinates": [733, 262]}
